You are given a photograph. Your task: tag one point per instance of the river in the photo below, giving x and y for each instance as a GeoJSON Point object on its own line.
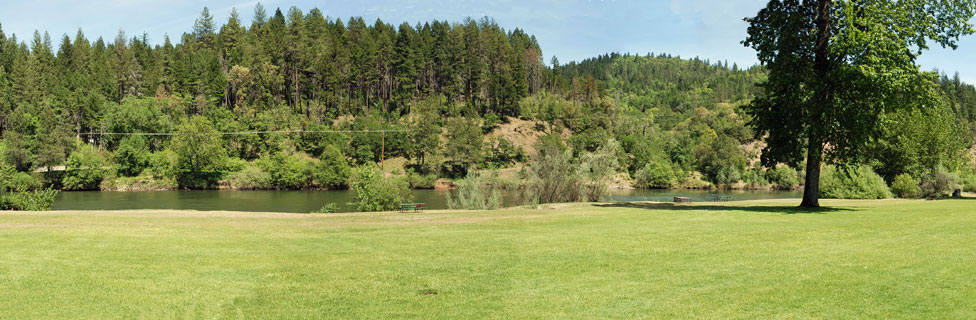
{"type": "Point", "coordinates": [308, 201]}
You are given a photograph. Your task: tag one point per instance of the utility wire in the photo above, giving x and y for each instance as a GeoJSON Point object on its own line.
{"type": "Point", "coordinates": [241, 132]}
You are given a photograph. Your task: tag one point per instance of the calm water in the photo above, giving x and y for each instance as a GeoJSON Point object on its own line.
{"type": "Point", "coordinates": [308, 201]}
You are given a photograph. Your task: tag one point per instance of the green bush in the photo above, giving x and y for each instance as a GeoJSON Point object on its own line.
{"type": "Point", "coordinates": [84, 170]}
{"type": "Point", "coordinates": [134, 115]}
{"type": "Point", "coordinates": [905, 186]}
{"type": "Point", "coordinates": [235, 164]}
{"type": "Point", "coordinates": [250, 178]}
{"type": "Point", "coordinates": [550, 179]}
{"type": "Point", "coordinates": [553, 178]}
{"type": "Point", "coordinates": [40, 200]}
{"type": "Point", "coordinates": [161, 164]}
{"type": "Point", "coordinates": [860, 183]}
{"type": "Point", "coordinates": [491, 123]}
{"type": "Point", "coordinates": [939, 183]}
{"type": "Point", "coordinates": [289, 172]}
{"type": "Point", "coordinates": [656, 174]}
{"type": "Point", "coordinates": [200, 155]}
{"type": "Point", "coordinates": [502, 152]}
{"type": "Point", "coordinates": [550, 144]}
{"type": "Point", "coordinates": [722, 161]}
{"type": "Point", "coordinates": [755, 179]}
{"type": "Point", "coordinates": [132, 156]}
{"type": "Point", "coordinates": [333, 171]}
{"type": "Point", "coordinates": [784, 177]}
{"type": "Point", "coordinates": [13, 181]}
{"type": "Point", "coordinates": [140, 183]}
{"type": "Point", "coordinates": [588, 141]}
{"type": "Point", "coordinates": [967, 178]}
{"type": "Point", "coordinates": [596, 170]}
{"type": "Point", "coordinates": [465, 145]}
{"type": "Point", "coordinates": [376, 191]}
{"type": "Point", "coordinates": [478, 191]}
{"type": "Point", "coordinates": [421, 181]}
{"type": "Point", "coordinates": [328, 208]}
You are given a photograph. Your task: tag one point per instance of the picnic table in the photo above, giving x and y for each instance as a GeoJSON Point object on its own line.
{"type": "Point", "coordinates": [682, 199]}
{"type": "Point", "coordinates": [415, 207]}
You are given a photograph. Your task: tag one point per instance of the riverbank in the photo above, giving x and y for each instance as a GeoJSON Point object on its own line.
{"type": "Point", "coordinates": [750, 259]}
{"type": "Point", "coordinates": [311, 200]}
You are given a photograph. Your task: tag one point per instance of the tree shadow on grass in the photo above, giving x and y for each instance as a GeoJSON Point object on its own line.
{"type": "Point", "coordinates": [719, 207]}
{"type": "Point", "coordinates": [960, 198]}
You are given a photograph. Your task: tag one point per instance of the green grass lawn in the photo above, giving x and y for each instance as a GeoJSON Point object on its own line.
{"type": "Point", "coordinates": [765, 259]}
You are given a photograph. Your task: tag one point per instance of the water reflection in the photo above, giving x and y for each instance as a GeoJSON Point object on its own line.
{"type": "Point", "coordinates": [308, 201]}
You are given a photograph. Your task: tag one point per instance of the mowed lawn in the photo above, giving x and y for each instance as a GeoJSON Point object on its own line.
{"type": "Point", "coordinates": [764, 259]}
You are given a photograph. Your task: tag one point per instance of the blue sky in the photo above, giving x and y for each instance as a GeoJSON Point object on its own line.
{"type": "Point", "coordinates": [568, 29]}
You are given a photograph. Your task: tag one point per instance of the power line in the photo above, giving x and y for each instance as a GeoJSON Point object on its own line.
{"type": "Point", "coordinates": [241, 132]}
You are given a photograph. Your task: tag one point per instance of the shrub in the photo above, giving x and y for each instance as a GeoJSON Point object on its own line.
{"type": "Point", "coordinates": [596, 171]}
{"type": "Point", "coordinates": [722, 161]}
{"type": "Point", "coordinates": [161, 164]}
{"type": "Point", "coordinates": [465, 145]}
{"type": "Point", "coordinates": [289, 172]}
{"type": "Point", "coordinates": [478, 191]}
{"type": "Point", "coordinates": [328, 208]}
{"type": "Point", "coordinates": [132, 156]}
{"type": "Point", "coordinates": [233, 164]}
{"type": "Point", "coordinates": [502, 152]}
{"type": "Point", "coordinates": [40, 200]}
{"type": "Point", "coordinates": [553, 178]}
{"type": "Point", "coordinates": [755, 178]}
{"type": "Point", "coordinates": [550, 179]}
{"type": "Point", "coordinates": [140, 183]}
{"type": "Point", "coordinates": [491, 123]}
{"type": "Point", "coordinates": [376, 191]}
{"type": "Point", "coordinates": [905, 186]}
{"type": "Point", "coordinates": [134, 115]}
{"type": "Point", "coordinates": [588, 141]}
{"type": "Point", "coordinates": [17, 151]}
{"type": "Point", "coordinates": [939, 183]}
{"type": "Point", "coordinates": [333, 172]}
{"type": "Point", "coordinates": [967, 178]}
{"type": "Point", "coordinates": [784, 177]}
{"type": "Point", "coordinates": [364, 154]}
{"type": "Point", "coordinates": [860, 183]}
{"type": "Point", "coordinates": [656, 174]}
{"type": "Point", "coordinates": [421, 181]}
{"type": "Point", "coordinates": [550, 144]}
{"type": "Point", "coordinates": [84, 169]}
{"type": "Point", "coordinates": [693, 180]}
{"type": "Point", "coordinates": [200, 154]}
{"type": "Point", "coordinates": [250, 178]}
{"type": "Point", "coordinates": [11, 180]}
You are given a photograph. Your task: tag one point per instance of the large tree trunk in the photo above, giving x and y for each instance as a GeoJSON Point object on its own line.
{"type": "Point", "coordinates": [811, 185]}
{"type": "Point", "coordinates": [823, 98]}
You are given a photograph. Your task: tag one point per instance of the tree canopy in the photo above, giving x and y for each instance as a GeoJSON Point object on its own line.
{"type": "Point", "coordinates": [836, 68]}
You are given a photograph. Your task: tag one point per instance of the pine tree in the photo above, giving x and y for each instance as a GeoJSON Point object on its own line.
{"type": "Point", "coordinates": [294, 55]}
{"type": "Point", "coordinates": [128, 71]}
{"type": "Point", "coordinates": [259, 18]}
{"type": "Point", "coordinates": [406, 62]}
{"type": "Point", "coordinates": [231, 41]}
{"type": "Point", "coordinates": [27, 80]}
{"type": "Point", "coordinates": [53, 138]}
{"type": "Point", "coordinates": [203, 30]}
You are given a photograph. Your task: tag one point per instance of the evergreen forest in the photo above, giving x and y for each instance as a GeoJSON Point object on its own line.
{"type": "Point", "coordinates": [299, 100]}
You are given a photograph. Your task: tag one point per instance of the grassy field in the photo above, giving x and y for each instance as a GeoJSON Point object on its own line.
{"type": "Point", "coordinates": [764, 259]}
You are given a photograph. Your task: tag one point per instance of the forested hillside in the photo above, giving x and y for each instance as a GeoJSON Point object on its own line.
{"type": "Point", "coordinates": [298, 100]}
